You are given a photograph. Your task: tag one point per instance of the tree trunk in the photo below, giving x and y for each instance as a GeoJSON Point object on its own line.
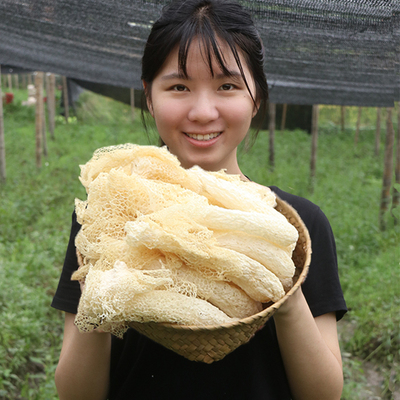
{"type": "Point", "coordinates": [271, 126]}
{"type": "Point", "coordinates": [342, 117]}
{"type": "Point", "coordinates": [39, 117]}
{"type": "Point", "coordinates": [51, 102]}
{"type": "Point", "coordinates": [66, 103]}
{"type": "Point", "coordinates": [357, 127]}
{"type": "Point", "coordinates": [314, 143]}
{"type": "Point", "coordinates": [133, 103]}
{"type": "Point", "coordinates": [283, 120]}
{"type": "Point", "coordinates": [388, 169]}
{"type": "Point", "coordinates": [378, 131]}
{"type": "Point", "coordinates": [2, 140]}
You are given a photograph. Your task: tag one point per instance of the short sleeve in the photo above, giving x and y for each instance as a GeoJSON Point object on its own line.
{"type": "Point", "coordinates": [68, 292]}
{"type": "Point", "coordinates": [321, 288]}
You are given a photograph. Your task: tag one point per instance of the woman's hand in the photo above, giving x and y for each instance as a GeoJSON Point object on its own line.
{"type": "Point", "coordinates": [310, 350]}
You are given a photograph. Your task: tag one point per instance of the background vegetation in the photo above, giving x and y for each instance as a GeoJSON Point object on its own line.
{"type": "Point", "coordinates": [35, 214]}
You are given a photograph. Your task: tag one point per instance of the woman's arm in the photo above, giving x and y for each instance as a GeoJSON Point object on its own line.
{"type": "Point", "coordinates": [84, 365]}
{"type": "Point", "coordinates": [310, 350]}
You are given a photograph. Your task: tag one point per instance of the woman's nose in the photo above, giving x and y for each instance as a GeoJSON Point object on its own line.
{"type": "Point", "coordinates": [203, 109]}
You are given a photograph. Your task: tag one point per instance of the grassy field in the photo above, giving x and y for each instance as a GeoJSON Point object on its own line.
{"type": "Point", "coordinates": [35, 213]}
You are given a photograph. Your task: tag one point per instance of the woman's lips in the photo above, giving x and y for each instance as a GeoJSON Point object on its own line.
{"type": "Point", "coordinates": [203, 137]}
{"type": "Point", "coordinates": [202, 140]}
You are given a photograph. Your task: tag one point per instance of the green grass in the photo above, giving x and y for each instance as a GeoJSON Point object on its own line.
{"type": "Point", "coordinates": [36, 206]}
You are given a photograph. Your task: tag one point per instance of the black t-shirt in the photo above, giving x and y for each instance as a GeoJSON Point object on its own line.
{"type": "Point", "coordinates": [142, 369]}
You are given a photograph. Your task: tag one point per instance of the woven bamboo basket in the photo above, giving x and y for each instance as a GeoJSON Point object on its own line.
{"type": "Point", "coordinates": [212, 343]}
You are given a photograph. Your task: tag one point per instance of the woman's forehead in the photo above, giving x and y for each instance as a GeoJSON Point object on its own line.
{"type": "Point", "coordinates": [200, 56]}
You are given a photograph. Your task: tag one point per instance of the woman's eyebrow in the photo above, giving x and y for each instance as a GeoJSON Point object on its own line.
{"type": "Point", "coordinates": [231, 74]}
{"type": "Point", "coordinates": [175, 75]}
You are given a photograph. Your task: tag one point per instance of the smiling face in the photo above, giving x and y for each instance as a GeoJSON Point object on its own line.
{"type": "Point", "coordinates": [203, 117]}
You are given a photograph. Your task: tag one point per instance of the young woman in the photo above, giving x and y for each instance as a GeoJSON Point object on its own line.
{"type": "Point", "coordinates": [204, 82]}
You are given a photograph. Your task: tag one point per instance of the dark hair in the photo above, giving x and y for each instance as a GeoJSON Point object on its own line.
{"type": "Point", "coordinates": [209, 21]}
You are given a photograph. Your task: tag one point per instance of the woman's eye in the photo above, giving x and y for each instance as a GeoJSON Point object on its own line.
{"type": "Point", "coordinates": [179, 88]}
{"type": "Point", "coordinates": [227, 86]}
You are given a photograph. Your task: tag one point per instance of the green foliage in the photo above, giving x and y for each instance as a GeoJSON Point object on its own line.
{"type": "Point", "coordinates": [35, 214]}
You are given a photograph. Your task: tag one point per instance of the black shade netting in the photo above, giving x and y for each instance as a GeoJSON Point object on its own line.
{"type": "Point", "coordinates": [322, 51]}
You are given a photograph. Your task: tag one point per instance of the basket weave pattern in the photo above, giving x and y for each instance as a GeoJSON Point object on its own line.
{"type": "Point", "coordinates": [212, 343]}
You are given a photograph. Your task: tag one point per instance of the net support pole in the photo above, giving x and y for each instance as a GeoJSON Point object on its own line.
{"type": "Point", "coordinates": [378, 131]}
{"type": "Point", "coordinates": [2, 139]}
{"type": "Point", "coordinates": [44, 134]}
{"type": "Point", "coordinates": [133, 103]}
{"type": "Point", "coordinates": [65, 98]}
{"type": "Point", "coordinates": [358, 123]}
{"type": "Point", "coordinates": [387, 170]}
{"type": "Point", "coordinates": [51, 102]}
{"type": "Point", "coordinates": [283, 120]}
{"type": "Point", "coordinates": [39, 117]}
{"type": "Point", "coordinates": [314, 143]}
{"type": "Point", "coordinates": [396, 193]}
{"type": "Point", "coordinates": [342, 117]}
{"type": "Point", "coordinates": [271, 128]}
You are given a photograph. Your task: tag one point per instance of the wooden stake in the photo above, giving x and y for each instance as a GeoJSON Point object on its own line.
{"type": "Point", "coordinates": [271, 126]}
{"type": "Point", "coordinates": [133, 103]}
{"type": "Point", "coordinates": [283, 120]}
{"type": "Point", "coordinates": [29, 79]}
{"type": "Point", "coordinates": [314, 143]}
{"type": "Point", "coordinates": [66, 103]}
{"type": "Point", "coordinates": [51, 102]}
{"type": "Point", "coordinates": [16, 80]}
{"type": "Point", "coordinates": [388, 169]}
{"type": "Point", "coordinates": [2, 140]}
{"type": "Point", "coordinates": [357, 127]}
{"type": "Point", "coordinates": [44, 136]}
{"type": "Point", "coordinates": [396, 193]}
{"type": "Point", "coordinates": [9, 82]}
{"type": "Point", "coordinates": [342, 117]}
{"type": "Point", "coordinates": [39, 117]}
{"type": "Point", "coordinates": [378, 131]}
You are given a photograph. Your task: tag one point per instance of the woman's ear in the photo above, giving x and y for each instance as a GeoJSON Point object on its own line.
{"type": "Point", "coordinates": [148, 100]}
{"type": "Point", "coordinates": [256, 108]}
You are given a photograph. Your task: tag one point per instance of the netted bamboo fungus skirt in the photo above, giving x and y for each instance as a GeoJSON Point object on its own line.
{"type": "Point", "coordinates": [212, 343]}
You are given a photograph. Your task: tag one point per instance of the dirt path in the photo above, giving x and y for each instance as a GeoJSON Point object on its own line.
{"type": "Point", "coordinates": [370, 377]}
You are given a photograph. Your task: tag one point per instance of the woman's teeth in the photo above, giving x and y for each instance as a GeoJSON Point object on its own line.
{"type": "Point", "coordinates": [204, 137]}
